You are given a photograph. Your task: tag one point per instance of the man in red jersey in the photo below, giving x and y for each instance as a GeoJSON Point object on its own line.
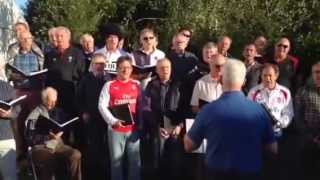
{"type": "Point", "coordinates": [123, 139]}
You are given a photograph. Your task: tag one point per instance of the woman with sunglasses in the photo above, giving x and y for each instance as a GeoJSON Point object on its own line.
{"type": "Point", "coordinates": [146, 56]}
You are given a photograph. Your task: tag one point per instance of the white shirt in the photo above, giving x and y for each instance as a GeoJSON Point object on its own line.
{"type": "Point", "coordinates": [278, 100]}
{"type": "Point", "coordinates": [112, 57]}
{"type": "Point", "coordinates": [206, 89]}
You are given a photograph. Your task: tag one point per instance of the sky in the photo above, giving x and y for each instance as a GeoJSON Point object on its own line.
{"type": "Point", "coordinates": [21, 3]}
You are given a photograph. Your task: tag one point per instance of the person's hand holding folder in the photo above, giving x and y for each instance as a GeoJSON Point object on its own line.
{"type": "Point", "coordinates": [56, 136]}
{"type": "Point", "coordinates": [119, 124]}
{"type": "Point", "coordinates": [5, 113]}
{"type": "Point", "coordinates": [16, 77]}
{"type": "Point", "coordinates": [164, 133]}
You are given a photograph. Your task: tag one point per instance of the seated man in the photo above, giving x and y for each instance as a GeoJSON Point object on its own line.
{"type": "Point", "coordinates": [48, 147]}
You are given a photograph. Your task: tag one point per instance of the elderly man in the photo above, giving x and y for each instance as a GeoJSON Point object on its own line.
{"type": "Point", "coordinates": [274, 96]}
{"type": "Point", "coordinates": [287, 64]}
{"type": "Point", "coordinates": [112, 35]}
{"type": "Point", "coordinates": [8, 170]}
{"type": "Point", "coordinates": [14, 49]}
{"type": "Point", "coordinates": [236, 138]}
{"type": "Point", "coordinates": [224, 44]}
{"type": "Point", "coordinates": [209, 49]}
{"type": "Point", "coordinates": [253, 67]}
{"type": "Point", "coordinates": [209, 87]}
{"type": "Point", "coordinates": [123, 138]}
{"type": "Point", "coordinates": [88, 48]}
{"type": "Point", "coordinates": [184, 69]}
{"type": "Point", "coordinates": [94, 128]}
{"type": "Point", "coordinates": [261, 44]}
{"type": "Point", "coordinates": [307, 110]}
{"type": "Point", "coordinates": [53, 43]}
{"type": "Point", "coordinates": [65, 67]}
{"type": "Point", "coordinates": [163, 125]}
{"type": "Point", "coordinates": [147, 55]}
{"type": "Point", "coordinates": [48, 147]}
{"type": "Point", "coordinates": [26, 59]}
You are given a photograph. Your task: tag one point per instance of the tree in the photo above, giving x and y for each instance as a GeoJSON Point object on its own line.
{"type": "Point", "coordinates": [243, 20]}
{"type": "Point", "coordinates": [79, 15]}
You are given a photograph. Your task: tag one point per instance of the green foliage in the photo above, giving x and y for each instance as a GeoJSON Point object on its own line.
{"type": "Point", "coordinates": [243, 20]}
{"type": "Point", "coordinates": [79, 15]}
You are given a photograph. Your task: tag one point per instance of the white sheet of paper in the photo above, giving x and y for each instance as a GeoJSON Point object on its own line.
{"type": "Point", "coordinates": [203, 146]}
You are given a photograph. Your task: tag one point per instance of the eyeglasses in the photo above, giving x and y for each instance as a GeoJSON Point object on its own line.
{"type": "Point", "coordinates": [283, 45]}
{"type": "Point", "coordinates": [218, 66]}
{"type": "Point", "coordinates": [99, 63]}
{"type": "Point", "coordinates": [148, 38]}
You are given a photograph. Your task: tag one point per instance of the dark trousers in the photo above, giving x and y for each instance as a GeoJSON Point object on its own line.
{"type": "Point", "coordinates": [48, 161]}
{"type": "Point", "coordinates": [219, 175]}
{"type": "Point", "coordinates": [95, 152]}
{"type": "Point", "coordinates": [310, 161]}
{"type": "Point", "coordinates": [33, 99]}
{"type": "Point", "coordinates": [283, 166]}
{"type": "Point", "coordinates": [162, 159]}
{"type": "Point", "coordinates": [194, 166]}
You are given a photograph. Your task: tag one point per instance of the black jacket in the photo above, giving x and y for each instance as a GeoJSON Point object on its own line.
{"type": "Point", "coordinates": [88, 93]}
{"type": "Point", "coordinates": [64, 74]}
{"type": "Point", "coordinates": [168, 105]}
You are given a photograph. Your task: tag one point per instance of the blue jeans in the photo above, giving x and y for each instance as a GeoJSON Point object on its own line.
{"type": "Point", "coordinates": [124, 146]}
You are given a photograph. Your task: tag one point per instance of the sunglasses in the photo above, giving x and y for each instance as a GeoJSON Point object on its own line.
{"type": "Point", "coordinates": [148, 38]}
{"type": "Point", "coordinates": [218, 66]}
{"type": "Point", "coordinates": [283, 45]}
{"type": "Point", "coordinates": [186, 35]}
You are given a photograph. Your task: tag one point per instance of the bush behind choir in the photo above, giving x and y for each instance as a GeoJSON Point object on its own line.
{"type": "Point", "coordinates": [80, 82]}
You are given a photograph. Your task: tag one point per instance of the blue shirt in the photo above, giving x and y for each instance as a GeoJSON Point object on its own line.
{"type": "Point", "coordinates": [236, 129]}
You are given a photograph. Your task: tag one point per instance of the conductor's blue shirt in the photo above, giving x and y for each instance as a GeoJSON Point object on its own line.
{"type": "Point", "coordinates": [236, 130]}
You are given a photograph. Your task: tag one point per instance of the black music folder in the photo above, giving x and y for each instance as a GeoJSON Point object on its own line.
{"type": "Point", "coordinates": [47, 125]}
{"type": "Point", "coordinates": [122, 112]}
{"type": "Point", "coordinates": [143, 69]}
{"type": "Point", "coordinates": [26, 75]}
{"type": "Point", "coordinates": [7, 105]}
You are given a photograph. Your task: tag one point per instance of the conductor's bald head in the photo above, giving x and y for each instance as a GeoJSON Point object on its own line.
{"type": "Point", "coordinates": [233, 75]}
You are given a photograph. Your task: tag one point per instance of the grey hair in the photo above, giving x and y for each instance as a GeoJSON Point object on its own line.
{"type": "Point", "coordinates": [234, 72]}
{"type": "Point", "coordinates": [84, 36]}
{"type": "Point", "coordinates": [65, 29]}
{"type": "Point", "coordinates": [94, 56]}
{"type": "Point", "coordinates": [210, 45]}
{"type": "Point", "coordinates": [52, 30]}
{"type": "Point", "coordinates": [46, 92]}
{"type": "Point", "coordinates": [223, 37]}
{"type": "Point", "coordinates": [163, 60]}
{"type": "Point", "coordinates": [23, 23]}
